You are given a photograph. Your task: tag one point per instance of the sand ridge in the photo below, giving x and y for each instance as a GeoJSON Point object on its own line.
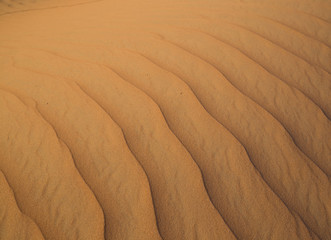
{"type": "Point", "coordinates": [165, 120]}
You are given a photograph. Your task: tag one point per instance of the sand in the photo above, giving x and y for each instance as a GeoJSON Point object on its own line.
{"type": "Point", "coordinates": [165, 120]}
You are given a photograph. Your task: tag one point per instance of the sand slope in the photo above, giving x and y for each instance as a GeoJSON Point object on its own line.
{"type": "Point", "coordinates": [165, 119]}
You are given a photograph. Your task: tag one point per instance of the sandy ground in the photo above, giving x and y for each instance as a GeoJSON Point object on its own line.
{"type": "Point", "coordinates": [165, 119]}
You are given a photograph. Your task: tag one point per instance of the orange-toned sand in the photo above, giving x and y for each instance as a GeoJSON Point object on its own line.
{"type": "Point", "coordinates": [164, 119]}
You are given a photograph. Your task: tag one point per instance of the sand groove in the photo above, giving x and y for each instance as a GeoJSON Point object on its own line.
{"type": "Point", "coordinates": [165, 120]}
{"type": "Point", "coordinates": [211, 146]}
{"type": "Point", "coordinates": [301, 79]}
{"type": "Point", "coordinates": [318, 151]}
{"type": "Point", "coordinates": [209, 213]}
{"type": "Point", "coordinates": [101, 170]}
{"type": "Point", "coordinates": [206, 134]}
{"type": "Point", "coordinates": [42, 195]}
{"type": "Point", "coordinates": [13, 7]}
{"type": "Point", "coordinates": [11, 215]}
{"type": "Point", "coordinates": [320, 57]}
{"type": "Point", "coordinates": [286, 29]}
{"type": "Point", "coordinates": [242, 130]}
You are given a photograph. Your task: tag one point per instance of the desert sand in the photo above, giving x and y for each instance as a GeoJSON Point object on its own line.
{"type": "Point", "coordinates": [165, 119]}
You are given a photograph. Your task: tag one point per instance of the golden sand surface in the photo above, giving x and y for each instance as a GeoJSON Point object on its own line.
{"type": "Point", "coordinates": [164, 119]}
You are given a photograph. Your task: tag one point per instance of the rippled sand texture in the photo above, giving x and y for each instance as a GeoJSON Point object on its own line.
{"type": "Point", "coordinates": [165, 120]}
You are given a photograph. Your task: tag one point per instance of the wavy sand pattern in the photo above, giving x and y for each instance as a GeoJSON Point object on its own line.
{"type": "Point", "coordinates": [165, 119]}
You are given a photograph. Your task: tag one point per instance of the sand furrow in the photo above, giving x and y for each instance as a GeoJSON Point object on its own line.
{"type": "Point", "coordinates": [321, 57]}
{"type": "Point", "coordinates": [39, 6]}
{"type": "Point", "coordinates": [103, 163]}
{"type": "Point", "coordinates": [194, 219]}
{"type": "Point", "coordinates": [196, 234]}
{"type": "Point", "coordinates": [149, 183]}
{"type": "Point", "coordinates": [312, 10]}
{"type": "Point", "coordinates": [218, 154]}
{"type": "Point", "coordinates": [138, 137]}
{"type": "Point", "coordinates": [313, 27]}
{"type": "Point", "coordinates": [13, 223]}
{"type": "Point", "coordinates": [245, 127]}
{"type": "Point", "coordinates": [326, 19]}
{"type": "Point", "coordinates": [115, 164]}
{"type": "Point", "coordinates": [310, 50]}
{"type": "Point", "coordinates": [229, 130]}
{"type": "Point", "coordinates": [313, 36]}
{"type": "Point", "coordinates": [320, 10]}
{"type": "Point", "coordinates": [35, 162]}
{"type": "Point", "coordinates": [314, 82]}
{"type": "Point", "coordinates": [322, 38]}
{"type": "Point", "coordinates": [263, 21]}
{"type": "Point", "coordinates": [165, 119]}
{"type": "Point", "coordinates": [195, 229]}
{"type": "Point", "coordinates": [225, 46]}
{"type": "Point", "coordinates": [307, 168]}
{"type": "Point", "coordinates": [268, 92]}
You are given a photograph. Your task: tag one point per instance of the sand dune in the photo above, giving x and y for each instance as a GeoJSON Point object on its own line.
{"type": "Point", "coordinates": [165, 119]}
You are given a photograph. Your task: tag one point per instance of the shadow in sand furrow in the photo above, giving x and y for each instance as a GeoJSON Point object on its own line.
{"type": "Point", "coordinates": [305, 83]}
{"type": "Point", "coordinates": [309, 138]}
{"type": "Point", "coordinates": [157, 149]}
{"type": "Point", "coordinates": [320, 66]}
{"type": "Point", "coordinates": [13, 223]}
{"type": "Point", "coordinates": [106, 164]}
{"type": "Point", "coordinates": [67, 149]}
{"type": "Point", "coordinates": [315, 28]}
{"type": "Point", "coordinates": [187, 120]}
{"type": "Point", "coordinates": [221, 159]}
{"type": "Point", "coordinates": [179, 139]}
{"type": "Point", "coordinates": [119, 221]}
{"type": "Point", "coordinates": [312, 9]}
{"type": "Point", "coordinates": [246, 121]}
{"type": "Point", "coordinates": [59, 63]}
{"type": "Point", "coordinates": [199, 201]}
{"type": "Point", "coordinates": [311, 81]}
{"type": "Point", "coordinates": [286, 22]}
{"type": "Point", "coordinates": [198, 210]}
{"type": "Point", "coordinates": [286, 38]}
{"type": "Point", "coordinates": [133, 150]}
{"type": "Point", "coordinates": [314, 36]}
{"type": "Point", "coordinates": [22, 6]}
{"type": "Point", "coordinates": [66, 199]}
{"type": "Point", "coordinates": [149, 183]}
{"type": "Point", "coordinates": [79, 65]}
